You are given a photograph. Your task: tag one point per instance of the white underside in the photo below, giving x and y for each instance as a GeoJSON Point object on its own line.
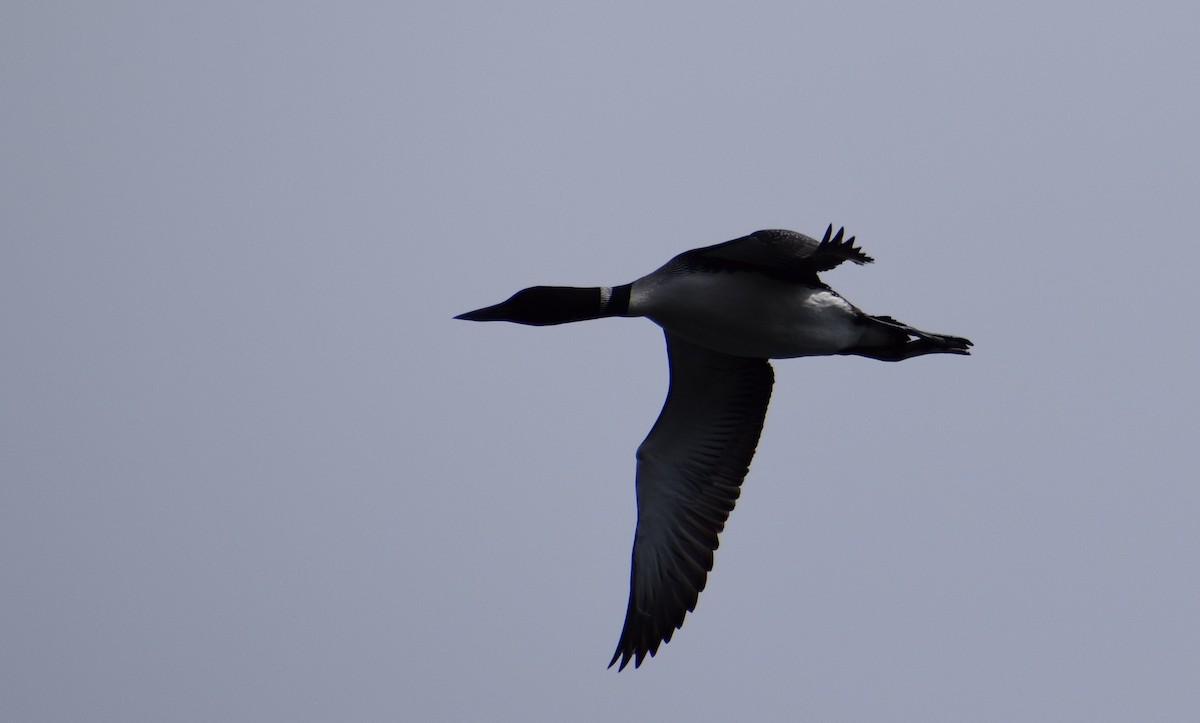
{"type": "Point", "coordinates": [746, 314]}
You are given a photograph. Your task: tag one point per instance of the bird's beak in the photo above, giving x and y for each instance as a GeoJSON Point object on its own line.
{"type": "Point", "coordinates": [498, 312]}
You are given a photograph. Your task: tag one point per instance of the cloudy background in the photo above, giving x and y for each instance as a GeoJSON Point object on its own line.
{"type": "Point", "coordinates": [253, 470]}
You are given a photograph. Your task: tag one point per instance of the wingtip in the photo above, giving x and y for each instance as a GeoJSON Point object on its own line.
{"type": "Point", "coordinates": [843, 248]}
{"type": "Point", "coordinates": [630, 651]}
{"type": "Point", "coordinates": [624, 656]}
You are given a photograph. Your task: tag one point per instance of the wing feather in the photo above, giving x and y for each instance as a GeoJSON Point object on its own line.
{"type": "Point", "coordinates": [689, 475]}
{"type": "Point", "coordinates": [789, 255]}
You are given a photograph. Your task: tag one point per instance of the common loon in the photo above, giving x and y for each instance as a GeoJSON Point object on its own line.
{"type": "Point", "coordinates": [725, 310]}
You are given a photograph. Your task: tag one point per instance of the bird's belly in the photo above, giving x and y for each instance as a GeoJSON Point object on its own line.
{"type": "Point", "coordinates": [745, 315]}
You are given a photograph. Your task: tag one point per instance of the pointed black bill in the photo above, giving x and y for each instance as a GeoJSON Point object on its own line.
{"type": "Point", "coordinates": [487, 313]}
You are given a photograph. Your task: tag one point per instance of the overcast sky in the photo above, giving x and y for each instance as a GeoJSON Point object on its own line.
{"type": "Point", "coordinates": [253, 470]}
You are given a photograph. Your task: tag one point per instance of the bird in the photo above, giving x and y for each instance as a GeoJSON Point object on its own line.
{"type": "Point", "coordinates": [725, 310]}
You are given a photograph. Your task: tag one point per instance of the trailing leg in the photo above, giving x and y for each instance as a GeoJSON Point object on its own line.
{"type": "Point", "coordinates": [889, 340]}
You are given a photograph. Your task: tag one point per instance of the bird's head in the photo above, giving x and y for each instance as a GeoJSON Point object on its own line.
{"type": "Point", "coordinates": [544, 305]}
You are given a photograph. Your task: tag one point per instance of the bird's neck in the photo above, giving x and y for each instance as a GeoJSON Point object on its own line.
{"type": "Point", "coordinates": [581, 304]}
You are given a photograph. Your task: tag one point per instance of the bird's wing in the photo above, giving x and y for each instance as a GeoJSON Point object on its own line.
{"type": "Point", "coordinates": [786, 254]}
{"type": "Point", "coordinates": [689, 474]}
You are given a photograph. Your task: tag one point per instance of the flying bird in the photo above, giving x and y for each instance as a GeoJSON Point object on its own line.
{"type": "Point", "coordinates": [725, 310]}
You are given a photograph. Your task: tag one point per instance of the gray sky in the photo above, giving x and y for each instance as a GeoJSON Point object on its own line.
{"type": "Point", "coordinates": [252, 470]}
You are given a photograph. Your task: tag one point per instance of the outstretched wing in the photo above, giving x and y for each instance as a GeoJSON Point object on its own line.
{"type": "Point", "coordinates": [689, 474]}
{"type": "Point", "coordinates": [786, 254]}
